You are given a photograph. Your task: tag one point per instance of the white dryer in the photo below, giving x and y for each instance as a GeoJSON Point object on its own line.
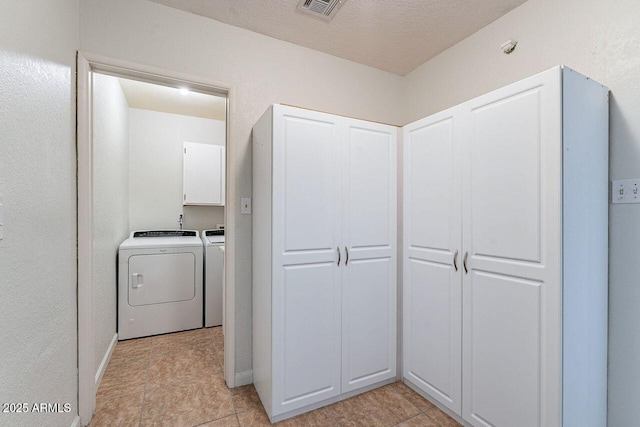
{"type": "Point", "coordinates": [213, 278]}
{"type": "Point", "coordinates": [159, 283]}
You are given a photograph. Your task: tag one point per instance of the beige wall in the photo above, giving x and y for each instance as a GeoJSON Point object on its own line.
{"type": "Point", "coordinates": [598, 38]}
{"type": "Point", "coordinates": [263, 71]}
{"type": "Point", "coordinates": [110, 203]}
{"type": "Point", "coordinates": [155, 170]}
{"type": "Point", "coordinates": [38, 345]}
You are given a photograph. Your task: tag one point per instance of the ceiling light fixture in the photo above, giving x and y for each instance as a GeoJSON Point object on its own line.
{"type": "Point", "coordinates": [184, 91]}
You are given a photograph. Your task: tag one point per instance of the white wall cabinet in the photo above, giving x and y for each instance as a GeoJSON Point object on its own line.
{"type": "Point", "coordinates": [203, 169]}
{"type": "Point", "coordinates": [505, 254]}
{"type": "Point", "coordinates": [324, 258]}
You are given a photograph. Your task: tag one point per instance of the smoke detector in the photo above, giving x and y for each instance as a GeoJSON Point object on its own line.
{"type": "Point", "coordinates": [509, 46]}
{"type": "Point", "coordinates": [325, 9]}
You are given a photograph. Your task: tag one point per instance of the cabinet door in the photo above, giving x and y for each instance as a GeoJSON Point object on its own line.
{"type": "Point", "coordinates": [432, 284]}
{"type": "Point", "coordinates": [512, 153]}
{"type": "Point", "coordinates": [368, 253]}
{"type": "Point", "coordinates": [306, 277]}
{"type": "Point", "coordinates": [203, 174]}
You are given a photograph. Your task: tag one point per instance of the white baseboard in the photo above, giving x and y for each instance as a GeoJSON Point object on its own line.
{"type": "Point", "coordinates": [329, 401]}
{"type": "Point", "coordinates": [244, 378]}
{"type": "Point", "coordinates": [76, 421]}
{"type": "Point", "coordinates": [105, 360]}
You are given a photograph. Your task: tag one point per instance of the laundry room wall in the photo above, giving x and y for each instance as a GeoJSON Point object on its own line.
{"type": "Point", "coordinates": [38, 341]}
{"type": "Point", "coordinates": [155, 169]}
{"type": "Point", "coordinates": [110, 204]}
{"type": "Point", "coordinates": [601, 40]}
{"type": "Point", "coordinates": [262, 70]}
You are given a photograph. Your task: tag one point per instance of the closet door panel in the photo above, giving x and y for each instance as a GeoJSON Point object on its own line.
{"type": "Point", "coordinates": [505, 320]}
{"type": "Point", "coordinates": [309, 335]}
{"type": "Point", "coordinates": [368, 323]}
{"type": "Point", "coordinates": [306, 278]}
{"type": "Point", "coordinates": [370, 185]}
{"type": "Point", "coordinates": [309, 194]}
{"type": "Point", "coordinates": [369, 231]}
{"type": "Point", "coordinates": [431, 161]}
{"type": "Point", "coordinates": [432, 241]}
{"type": "Point", "coordinates": [429, 362]}
{"type": "Point", "coordinates": [505, 188]}
{"type": "Point", "coordinates": [512, 151]}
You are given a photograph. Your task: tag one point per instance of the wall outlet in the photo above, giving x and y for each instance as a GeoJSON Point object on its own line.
{"type": "Point", "coordinates": [245, 206]}
{"type": "Point", "coordinates": [625, 191]}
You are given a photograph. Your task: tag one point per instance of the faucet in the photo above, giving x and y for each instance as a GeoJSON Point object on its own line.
{"type": "Point", "coordinates": [181, 220]}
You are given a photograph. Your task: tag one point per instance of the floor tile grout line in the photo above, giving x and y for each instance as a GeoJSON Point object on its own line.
{"type": "Point", "coordinates": [182, 381]}
{"type": "Point", "coordinates": [146, 380]}
{"type": "Point", "coordinates": [233, 405]}
{"type": "Point", "coordinates": [432, 419]}
{"type": "Point", "coordinates": [215, 350]}
{"type": "Point", "coordinates": [214, 419]}
{"type": "Point", "coordinates": [423, 411]}
{"type": "Point", "coordinates": [410, 418]}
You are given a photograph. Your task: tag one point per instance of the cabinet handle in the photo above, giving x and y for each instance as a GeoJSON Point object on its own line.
{"type": "Point", "coordinates": [455, 260]}
{"type": "Point", "coordinates": [464, 262]}
{"type": "Point", "coordinates": [339, 256]}
{"type": "Point", "coordinates": [346, 262]}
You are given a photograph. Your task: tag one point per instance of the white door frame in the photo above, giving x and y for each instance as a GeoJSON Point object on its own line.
{"type": "Point", "coordinates": [87, 64]}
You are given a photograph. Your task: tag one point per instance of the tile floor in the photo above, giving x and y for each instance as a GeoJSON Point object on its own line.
{"type": "Point", "coordinates": [176, 380]}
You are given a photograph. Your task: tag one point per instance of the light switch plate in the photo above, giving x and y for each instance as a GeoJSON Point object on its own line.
{"type": "Point", "coordinates": [245, 206]}
{"type": "Point", "coordinates": [625, 191]}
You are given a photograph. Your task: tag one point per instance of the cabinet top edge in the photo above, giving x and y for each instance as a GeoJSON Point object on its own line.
{"type": "Point", "coordinates": [339, 115]}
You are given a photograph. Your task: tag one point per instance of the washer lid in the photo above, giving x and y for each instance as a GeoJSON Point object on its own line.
{"type": "Point", "coordinates": [213, 236]}
{"type": "Point", "coordinates": [165, 233]}
{"type": "Point", "coordinates": [162, 239]}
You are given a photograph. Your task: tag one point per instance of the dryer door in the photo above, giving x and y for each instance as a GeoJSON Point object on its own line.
{"type": "Point", "coordinates": [161, 278]}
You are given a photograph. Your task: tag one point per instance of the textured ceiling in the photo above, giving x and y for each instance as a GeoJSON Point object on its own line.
{"type": "Point", "coordinates": [149, 96]}
{"type": "Point", "coordinates": [395, 36]}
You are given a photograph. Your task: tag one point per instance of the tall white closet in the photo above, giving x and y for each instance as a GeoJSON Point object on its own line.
{"type": "Point", "coordinates": [505, 254]}
{"type": "Point", "coordinates": [324, 258]}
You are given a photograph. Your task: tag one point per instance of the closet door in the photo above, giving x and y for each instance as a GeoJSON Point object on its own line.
{"type": "Point", "coordinates": [369, 253]}
{"type": "Point", "coordinates": [512, 154]}
{"type": "Point", "coordinates": [306, 278]}
{"type": "Point", "coordinates": [432, 309]}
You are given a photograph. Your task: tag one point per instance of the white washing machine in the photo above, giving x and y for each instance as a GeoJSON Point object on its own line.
{"type": "Point", "coordinates": [159, 283]}
{"type": "Point", "coordinates": [213, 278]}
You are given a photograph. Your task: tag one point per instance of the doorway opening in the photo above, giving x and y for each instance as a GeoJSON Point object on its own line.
{"type": "Point", "coordinates": [153, 154]}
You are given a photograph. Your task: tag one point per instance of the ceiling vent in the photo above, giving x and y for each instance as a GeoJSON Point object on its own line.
{"type": "Point", "coordinates": [324, 9]}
